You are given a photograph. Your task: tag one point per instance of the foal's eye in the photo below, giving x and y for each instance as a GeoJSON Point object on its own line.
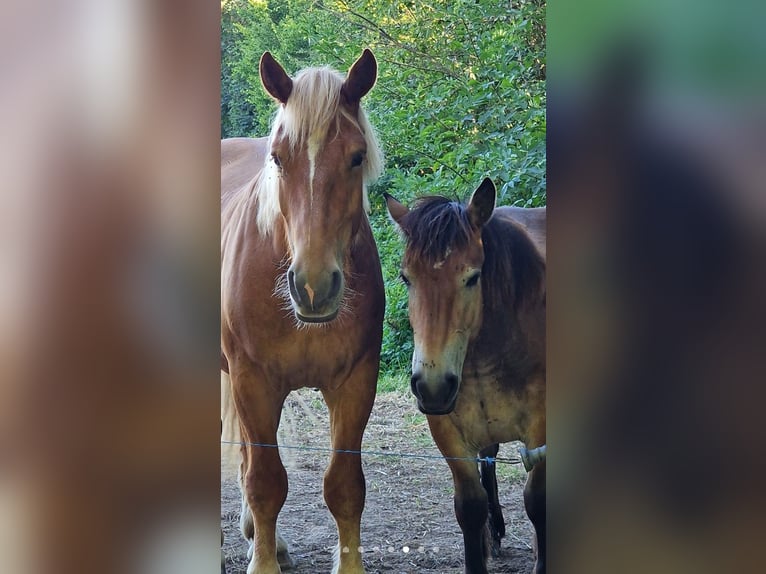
{"type": "Point", "coordinates": [404, 279]}
{"type": "Point", "coordinates": [275, 159]}
{"type": "Point", "coordinates": [473, 280]}
{"type": "Point", "coordinates": [357, 159]}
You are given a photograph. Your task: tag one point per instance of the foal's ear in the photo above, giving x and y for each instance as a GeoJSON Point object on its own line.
{"type": "Point", "coordinates": [274, 78]}
{"type": "Point", "coordinates": [482, 204]}
{"type": "Point", "coordinates": [395, 209]}
{"type": "Point", "coordinates": [361, 77]}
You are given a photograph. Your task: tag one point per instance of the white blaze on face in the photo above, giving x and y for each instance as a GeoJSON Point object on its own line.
{"type": "Point", "coordinates": [313, 150]}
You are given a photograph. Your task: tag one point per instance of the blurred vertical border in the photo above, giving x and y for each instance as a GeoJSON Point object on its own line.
{"type": "Point", "coordinates": [657, 289]}
{"type": "Point", "coordinates": [109, 286]}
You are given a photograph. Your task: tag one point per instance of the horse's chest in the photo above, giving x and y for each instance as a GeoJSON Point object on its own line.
{"type": "Point", "coordinates": [261, 327]}
{"type": "Point", "coordinates": [489, 411]}
{"type": "Point", "coordinates": [309, 358]}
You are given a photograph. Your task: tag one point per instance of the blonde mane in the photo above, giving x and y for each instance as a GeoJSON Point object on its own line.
{"type": "Point", "coordinates": [313, 105]}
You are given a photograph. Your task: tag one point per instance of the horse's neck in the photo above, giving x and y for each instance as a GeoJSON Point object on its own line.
{"type": "Point", "coordinates": [362, 256]}
{"type": "Point", "coordinates": [513, 313]}
{"type": "Point", "coordinates": [241, 238]}
{"type": "Point", "coordinates": [509, 340]}
{"type": "Point", "coordinates": [498, 337]}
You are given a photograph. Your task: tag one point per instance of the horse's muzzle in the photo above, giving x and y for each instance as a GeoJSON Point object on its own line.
{"type": "Point", "coordinates": [316, 300]}
{"type": "Point", "coordinates": [435, 397]}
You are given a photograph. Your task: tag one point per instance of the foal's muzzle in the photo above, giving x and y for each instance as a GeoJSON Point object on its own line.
{"type": "Point", "coordinates": [315, 299]}
{"type": "Point", "coordinates": [436, 397]}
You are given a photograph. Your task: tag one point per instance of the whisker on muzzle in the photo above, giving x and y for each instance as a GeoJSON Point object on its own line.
{"type": "Point", "coordinates": [281, 292]}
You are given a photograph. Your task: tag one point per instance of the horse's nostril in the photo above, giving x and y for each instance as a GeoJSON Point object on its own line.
{"type": "Point", "coordinates": [416, 378]}
{"type": "Point", "coordinates": [452, 382]}
{"type": "Point", "coordinates": [335, 283]}
{"type": "Point", "coordinates": [291, 284]}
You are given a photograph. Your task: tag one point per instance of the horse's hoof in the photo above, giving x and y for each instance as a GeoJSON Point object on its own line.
{"type": "Point", "coordinates": [495, 549]}
{"type": "Point", "coordinates": [286, 561]}
{"type": "Point", "coordinates": [492, 542]}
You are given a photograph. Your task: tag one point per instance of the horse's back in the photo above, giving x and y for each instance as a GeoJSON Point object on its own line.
{"type": "Point", "coordinates": [241, 160]}
{"type": "Point", "coordinates": [533, 220]}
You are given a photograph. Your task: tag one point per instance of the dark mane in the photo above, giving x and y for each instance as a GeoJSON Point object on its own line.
{"type": "Point", "coordinates": [513, 269]}
{"type": "Point", "coordinates": [434, 225]}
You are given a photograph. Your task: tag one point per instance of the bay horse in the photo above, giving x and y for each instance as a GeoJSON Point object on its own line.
{"type": "Point", "coordinates": [476, 282]}
{"type": "Point", "coordinates": [302, 295]}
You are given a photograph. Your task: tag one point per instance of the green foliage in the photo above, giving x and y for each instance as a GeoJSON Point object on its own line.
{"type": "Point", "coordinates": [460, 96]}
{"type": "Point", "coordinates": [394, 381]}
{"type": "Point", "coordinates": [396, 353]}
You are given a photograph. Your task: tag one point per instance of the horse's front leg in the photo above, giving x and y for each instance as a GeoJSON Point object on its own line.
{"type": "Point", "coordinates": [263, 477]}
{"type": "Point", "coordinates": [344, 486]}
{"type": "Point", "coordinates": [247, 527]}
{"type": "Point", "coordinates": [470, 497]}
{"type": "Point", "coordinates": [471, 511]}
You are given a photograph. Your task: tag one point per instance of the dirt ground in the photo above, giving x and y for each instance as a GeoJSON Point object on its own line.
{"type": "Point", "coordinates": [408, 525]}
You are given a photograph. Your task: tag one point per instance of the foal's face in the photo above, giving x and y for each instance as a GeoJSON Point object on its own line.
{"type": "Point", "coordinates": [445, 294]}
{"type": "Point", "coordinates": [445, 307]}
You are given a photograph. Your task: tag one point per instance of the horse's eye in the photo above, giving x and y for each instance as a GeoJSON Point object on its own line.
{"type": "Point", "coordinates": [275, 159]}
{"type": "Point", "coordinates": [473, 280]}
{"type": "Point", "coordinates": [404, 279]}
{"type": "Point", "coordinates": [357, 159]}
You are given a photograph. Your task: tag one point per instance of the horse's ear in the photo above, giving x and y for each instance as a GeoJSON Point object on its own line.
{"type": "Point", "coordinates": [274, 78]}
{"type": "Point", "coordinates": [482, 204]}
{"type": "Point", "coordinates": [395, 209]}
{"type": "Point", "coordinates": [361, 77]}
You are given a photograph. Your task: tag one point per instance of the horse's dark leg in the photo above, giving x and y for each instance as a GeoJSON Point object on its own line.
{"type": "Point", "coordinates": [470, 496]}
{"type": "Point", "coordinates": [344, 486]}
{"type": "Point", "coordinates": [495, 522]}
{"type": "Point", "coordinates": [534, 501]}
{"type": "Point", "coordinates": [471, 511]}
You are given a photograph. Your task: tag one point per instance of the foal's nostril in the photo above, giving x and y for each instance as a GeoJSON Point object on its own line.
{"type": "Point", "coordinates": [452, 381]}
{"type": "Point", "coordinates": [416, 378]}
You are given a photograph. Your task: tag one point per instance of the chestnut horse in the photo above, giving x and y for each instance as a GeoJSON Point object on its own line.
{"type": "Point", "coordinates": [301, 290]}
{"type": "Point", "coordinates": [476, 281]}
